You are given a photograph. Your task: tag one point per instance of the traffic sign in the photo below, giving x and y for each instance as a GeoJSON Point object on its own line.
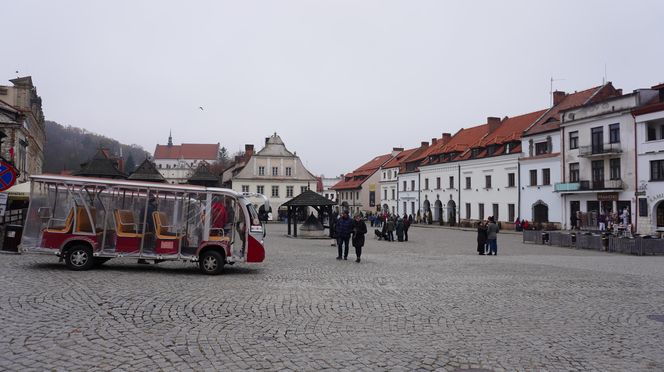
{"type": "Point", "coordinates": [7, 175]}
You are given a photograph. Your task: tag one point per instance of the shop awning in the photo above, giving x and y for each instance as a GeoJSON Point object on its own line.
{"type": "Point", "coordinates": [19, 191]}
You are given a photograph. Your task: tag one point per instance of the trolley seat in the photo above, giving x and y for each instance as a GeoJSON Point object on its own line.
{"type": "Point", "coordinates": [64, 227]}
{"type": "Point", "coordinates": [125, 224]}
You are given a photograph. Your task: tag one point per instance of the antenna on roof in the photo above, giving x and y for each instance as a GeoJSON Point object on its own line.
{"type": "Point", "coordinates": [605, 78]}
{"type": "Point", "coordinates": [551, 89]}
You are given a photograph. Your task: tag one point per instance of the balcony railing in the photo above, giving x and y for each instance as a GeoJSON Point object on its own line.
{"type": "Point", "coordinates": [588, 186]}
{"type": "Point", "coordinates": [599, 149]}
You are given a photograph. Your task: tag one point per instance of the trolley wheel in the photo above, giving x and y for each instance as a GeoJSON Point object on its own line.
{"type": "Point", "coordinates": [79, 257]}
{"type": "Point", "coordinates": [211, 262]}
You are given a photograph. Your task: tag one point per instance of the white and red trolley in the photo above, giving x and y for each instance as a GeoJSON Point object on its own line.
{"type": "Point", "coordinates": [87, 221]}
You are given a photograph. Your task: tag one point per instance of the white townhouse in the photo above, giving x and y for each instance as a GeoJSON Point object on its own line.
{"type": "Point", "coordinates": [408, 183]}
{"type": "Point", "coordinates": [275, 172]}
{"type": "Point", "coordinates": [540, 162]}
{"type": "Point", "coordinates": [650, 165]}
{"type": "Point", "coordinates": [490, 170]}
{"type": "Point", "coordinates": [599, 157]}
{"type": "Point", "coordinates": [441, 172]}
{"type": "Point", "coordinates": [389, 187]}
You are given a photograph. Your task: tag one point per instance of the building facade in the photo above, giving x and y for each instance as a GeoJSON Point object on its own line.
{"type": "Point", "coordinates": [541, 162]}
{"type": "Point", "coordinates": [408, 183]}
{"type": "Point", "coordinates": [389, 187]}
{"type": "Point", "coordinates": [177, 163]}
{"type": "Point", "coordinates": [359, 191]}
{"type": "Point", "coordinates": [442, 171]}
{"type": "Point", "coordinates": [649, 215]}
{"type": "Point", "coordinates": [22, 124]}
{"type": "Point", "coordinates": [599, 157]}
{"type": "Point", "coordinates": [325, 187]}
{"type": "Point", "coordinates": [275, 172]}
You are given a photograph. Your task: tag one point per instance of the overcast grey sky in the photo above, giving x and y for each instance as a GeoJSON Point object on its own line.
{"type": "Point", "coordinates": [340, 81]}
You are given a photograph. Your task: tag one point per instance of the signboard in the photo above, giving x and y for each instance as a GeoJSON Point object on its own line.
{"type": "Point", "coordinates": [3, 203]}
{"type": "Point", "coordinates": [7, 175]}
{"type": "Point", "coordinates": [607, 196]}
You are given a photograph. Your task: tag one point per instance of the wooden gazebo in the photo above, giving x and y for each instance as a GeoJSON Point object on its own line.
{"type": "Point", "coordinates": [147, 171]}
{"type": "Point", "coordinates": [101, 165]}
{"type": "Point", "coordinates": [308, 199]}
{"type": "Point", "coordinates": [204, 177]}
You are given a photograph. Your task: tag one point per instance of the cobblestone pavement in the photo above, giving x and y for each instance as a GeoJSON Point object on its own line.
{"type": "Point", "coordinates": [430, 303]}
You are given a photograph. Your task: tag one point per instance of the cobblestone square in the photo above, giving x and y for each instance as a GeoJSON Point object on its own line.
{"type": "Point", "coordinates": [428, 304]}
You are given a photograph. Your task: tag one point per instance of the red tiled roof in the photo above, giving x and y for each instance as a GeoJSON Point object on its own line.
{"type": "Point", "coordinates": [416, 156]}
{"type": "Point", "coordinates": [399, 159]}
{"type": "Point", "coordinates": [551, 119]}
{"type": "Point", "coordinates": [510, 129]}
{"type": "Point", "coordinates": [356, 178]}
{"type": "Point", "coordinates": [198, 151]}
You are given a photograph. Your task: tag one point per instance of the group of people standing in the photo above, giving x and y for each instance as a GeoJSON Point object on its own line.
{"type": "Point", "coordinates": [347, 228]}
{"type": "Point", "coordinates": [390, 224]}
{"type": "Point", "coordinates": [487, 237]}
{"type": "Point", "coordinates": [610, 221]}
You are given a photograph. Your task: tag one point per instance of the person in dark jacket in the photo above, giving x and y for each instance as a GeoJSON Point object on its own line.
{"type": "Point", "coordinates": [344, 229]}
{"type": "Point", "coordinates": [399, 228]}
{"type": "Point", "coordinates": [406, 226]}
{"type": "Point", "coordinates": [481, 238]}
{"type": "Point", "coordinates": [359, 230]}
{"type": "Point", "coordinates": [492, 236]}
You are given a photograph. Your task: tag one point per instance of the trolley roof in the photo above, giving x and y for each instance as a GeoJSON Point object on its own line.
{"type": "Point", "coordinates": [132, 184]}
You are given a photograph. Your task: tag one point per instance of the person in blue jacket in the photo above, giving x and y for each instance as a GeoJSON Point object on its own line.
{"type": "Point", "coordinates": [344, 229]}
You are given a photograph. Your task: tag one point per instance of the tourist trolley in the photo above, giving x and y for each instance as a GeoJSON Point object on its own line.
{"type": "Point", "coordinates": [87, 221]}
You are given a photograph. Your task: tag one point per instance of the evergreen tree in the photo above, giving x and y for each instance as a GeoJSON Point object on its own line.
{"type": "Point", "coordinates": [130, 165]}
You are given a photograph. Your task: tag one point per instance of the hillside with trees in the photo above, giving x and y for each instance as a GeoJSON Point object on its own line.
{"type": "Point", "coordinates": [67, 147]}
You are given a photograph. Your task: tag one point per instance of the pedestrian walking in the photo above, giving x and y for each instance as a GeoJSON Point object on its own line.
{"type": "Point", "coordinates": [481, 238]}
{"type": "Point", "coordinates": [359, 230]}
{"type": "Point", "coordinates": [344, 230]}
{"type": "Point", "coordinates": [492, 236]}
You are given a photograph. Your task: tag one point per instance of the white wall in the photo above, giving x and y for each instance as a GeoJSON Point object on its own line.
{"type": "Point", "coordinates": [540, 193]}
{"type": "Point", "coordinates": [653, 190]}
{"type": "Point", "coordinates": [409, 195]}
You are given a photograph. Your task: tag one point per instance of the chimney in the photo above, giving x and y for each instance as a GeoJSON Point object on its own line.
{"type": "Point", "coordinates": [619, 91]}
{"type": "Point", "coordinates": [446, 137]}
{"type": "Point", "coordinates": [433, 141]}
{"type": "Point", "coordinates": [248, 150]}
{"type": "Point", "coordinates": [558, 97]}
{"type": "Point", "coordinates": [396, 150]}
{"type": "Point", "coordinates": [267, 139]}
{"type": "Point", "coordinates": [424, 144]}
{"type": "Point", "coordinates": [493, 122]}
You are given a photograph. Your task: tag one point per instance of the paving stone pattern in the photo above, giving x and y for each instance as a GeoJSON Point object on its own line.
{"type": "Point", "coordinates": [427, 304]}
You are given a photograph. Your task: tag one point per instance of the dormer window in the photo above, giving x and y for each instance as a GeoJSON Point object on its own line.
{"type": "Point", "coordinates": [491, 150]}
{"type": "Point", "coordinates": [541, 148]}
{"type": "Point", "coordinates": [474, 152]}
